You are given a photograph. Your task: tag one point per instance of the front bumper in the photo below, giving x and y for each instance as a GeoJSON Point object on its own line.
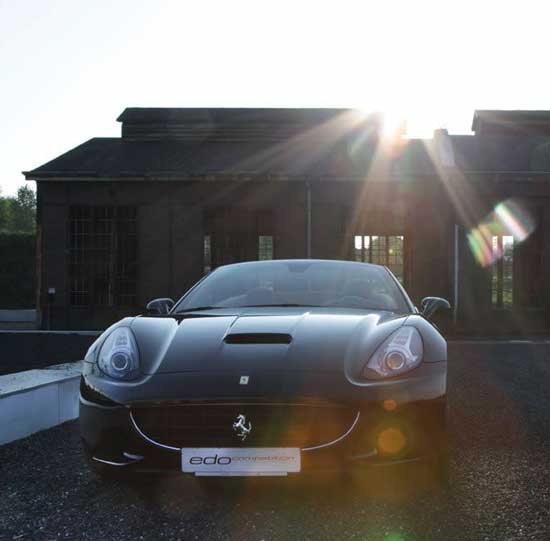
{"type": "Point", "coordinates": [397, 421]}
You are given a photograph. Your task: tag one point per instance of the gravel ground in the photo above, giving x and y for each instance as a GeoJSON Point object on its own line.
{"type": "Point", "coordinates": [500, 480]}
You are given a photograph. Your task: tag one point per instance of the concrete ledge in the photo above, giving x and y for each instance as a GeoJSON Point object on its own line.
{"type": "Point", "coordinates": [18, 319]}
{"type": "Point", "coordinates": [23, 316]}
{"type": "Point", "coordinates": [38, 399]}
{"type": "Point", "coordinates": [25, 350]}
{"type": "Point", "coordinates": [54, 333]}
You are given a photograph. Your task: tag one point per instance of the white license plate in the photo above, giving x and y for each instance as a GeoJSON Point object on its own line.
{"type": "Point", "coordinates": [218, 461]}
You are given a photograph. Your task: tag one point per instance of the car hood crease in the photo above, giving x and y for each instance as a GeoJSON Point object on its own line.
{"type": "Point", "coordinates": [318, 341]}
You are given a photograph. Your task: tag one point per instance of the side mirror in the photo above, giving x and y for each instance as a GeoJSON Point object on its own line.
{"type": "Point", "coordinates": [430, 305]}
{"type": "Point", "coordinates": [160, 306]}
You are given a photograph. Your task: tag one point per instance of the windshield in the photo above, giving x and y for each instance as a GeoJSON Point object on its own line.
{"type": "Point", "coordinates": [297, 283]}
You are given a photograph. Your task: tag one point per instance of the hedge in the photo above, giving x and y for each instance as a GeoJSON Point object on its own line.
{"type": "Point", "coordinates": [17, 270]}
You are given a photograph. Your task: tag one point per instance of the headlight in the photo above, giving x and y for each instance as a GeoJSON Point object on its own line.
{"type": "Point", "coordinates": [118, 356]}
{"type": "Point", "coordinates": [401, 352]}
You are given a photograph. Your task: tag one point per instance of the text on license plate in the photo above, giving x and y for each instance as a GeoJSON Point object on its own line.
{"type": "Point", "coordinates": [240, 461]}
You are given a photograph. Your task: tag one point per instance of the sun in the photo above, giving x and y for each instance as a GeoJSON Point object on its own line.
{"type": "Point", "coordinates": [398, 122]}
{"type": "Point", "coordinates": [394, 124]}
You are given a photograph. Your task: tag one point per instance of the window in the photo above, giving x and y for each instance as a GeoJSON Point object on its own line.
{"type": "Point", "coordinates": [265, 247]}
{"type": "Point", "coordinates": [207, 254]}
{"type": "Point", "coordinates": [227, 248]}
{"type": "Point", "coordinates": [502, 279]}
{"type": "Point", "coordinates": [382, 250]}
{"type": "Point", "coordinates": [234, 235]}
{"type": "Point", "coordinates": [318, 283]}
{"type": "Point", "coordinates": [102, 256]}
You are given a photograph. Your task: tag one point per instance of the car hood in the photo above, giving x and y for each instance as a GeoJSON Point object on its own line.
{"type": "Point", "coordinates": [261, 340]}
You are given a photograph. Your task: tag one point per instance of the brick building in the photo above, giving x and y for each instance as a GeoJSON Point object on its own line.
{"type": "Point", "coordinates": [124, 220]}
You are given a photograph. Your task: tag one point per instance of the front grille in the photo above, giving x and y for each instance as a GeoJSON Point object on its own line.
{"type": "Point", "coordinates": [273, 425]}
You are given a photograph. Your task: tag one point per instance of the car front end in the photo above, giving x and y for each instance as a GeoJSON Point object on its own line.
{"type": "Point", "coordinates": [261, 409]}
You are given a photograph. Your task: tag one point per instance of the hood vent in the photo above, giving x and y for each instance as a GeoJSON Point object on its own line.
{"type": "Point", "coordinates": [258, 338]}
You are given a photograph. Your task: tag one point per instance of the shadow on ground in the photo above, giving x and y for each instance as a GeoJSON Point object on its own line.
{"type": "Point", "coordinates": [499, 481]}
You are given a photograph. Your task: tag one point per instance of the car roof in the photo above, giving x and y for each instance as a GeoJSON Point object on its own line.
{"type": "Point", "coordinates": [335, 261]}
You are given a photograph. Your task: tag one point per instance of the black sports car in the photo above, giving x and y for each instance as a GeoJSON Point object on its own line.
{"type": "Point", "coordinates": [270, 368]}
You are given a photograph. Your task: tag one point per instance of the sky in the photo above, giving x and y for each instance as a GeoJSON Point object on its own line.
{"type": "Point", "coordinates": [69, 67]}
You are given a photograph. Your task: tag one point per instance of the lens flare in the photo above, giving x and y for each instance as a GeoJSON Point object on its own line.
{"type": "Point", "coordinates": [508, 219]}
{"type": "Point", "coordinates": [389, 405]}
{"type": "Point", "coordinates": [391, 441]}
{"type": "Point", "coordinates": [393, 125]}
{"type": "Point", "coordinates": [518, 221]}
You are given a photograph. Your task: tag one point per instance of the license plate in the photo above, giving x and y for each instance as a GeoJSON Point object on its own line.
{"type": "Point", "coordinates": [218, 461]}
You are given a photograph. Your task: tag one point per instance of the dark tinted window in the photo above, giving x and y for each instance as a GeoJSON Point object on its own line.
{"type": "Point", "coordinates": [310, 283]}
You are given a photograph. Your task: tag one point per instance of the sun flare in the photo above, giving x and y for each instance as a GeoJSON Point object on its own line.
{"type": "Point", "coordinates": [395, 122]}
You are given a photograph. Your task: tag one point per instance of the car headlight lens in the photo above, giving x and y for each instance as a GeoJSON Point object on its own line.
{"type": "Point", "coordinates": [118, 356]}
{"type": "Point", "coordinates": [401, 352]}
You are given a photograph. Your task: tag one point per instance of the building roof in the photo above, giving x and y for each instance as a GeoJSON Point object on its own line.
{"type": "Point", "coordinates": [223, 115]}
{"type": "Point", "coordinates": [502, 153]}
{"type": "Point", "coordinates": [180, 143]}
{"type": "Point", "coordinates": [518, 122]}
{"type": "Point", "coordinates": [239, 124]}
{"type": "Point", "coordinates": [113, 158]}
{"type": "Point", "coordinates": [159, 143]}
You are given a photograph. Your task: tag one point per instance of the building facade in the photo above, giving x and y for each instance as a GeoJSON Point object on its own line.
{"type": "Point", "coordinates": [182, 191]}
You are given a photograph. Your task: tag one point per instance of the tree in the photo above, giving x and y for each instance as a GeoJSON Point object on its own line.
{"type": "Point", "coordinates": [17, 214]}
{"type": "Point", "coordinates": [5, 213]}
{"type": "Point", "coordinates": [24, 210]}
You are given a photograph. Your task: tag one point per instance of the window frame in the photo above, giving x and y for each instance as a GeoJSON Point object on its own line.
{"type": "Point", "coordinates": [87, 246]}
{"type": "Point", "coordinates": [386, 262]}
{"type": "Point", "coordinates": [498, 280]}
{"type": "Point", "coordinates": [271, 248]}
